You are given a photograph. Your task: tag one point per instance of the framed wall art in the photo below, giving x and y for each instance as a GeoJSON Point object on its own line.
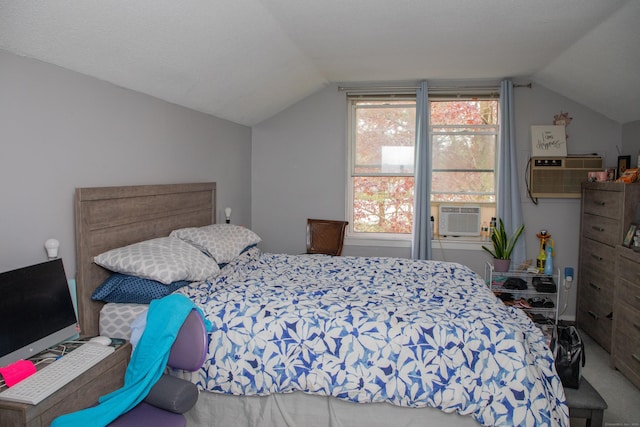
{"type": "Point", "coordinates": [628, 237]}
{"type": "Point", "coordinates": [624, 163]}
{"type": "Point", "coordinates": [548, 141]}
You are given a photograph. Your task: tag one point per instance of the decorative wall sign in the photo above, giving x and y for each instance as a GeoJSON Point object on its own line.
{"type": "Point", "coordinates": [548, 141]}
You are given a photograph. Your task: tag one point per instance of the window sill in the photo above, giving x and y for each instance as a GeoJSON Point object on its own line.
{"type": "Point", "coordinates": [460, 243]}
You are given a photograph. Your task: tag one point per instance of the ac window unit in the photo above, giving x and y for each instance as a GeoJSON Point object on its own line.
{"type": "Point", "coordinates": [561, 177]}
{"type": "Point", "coordinates": [459, 221]}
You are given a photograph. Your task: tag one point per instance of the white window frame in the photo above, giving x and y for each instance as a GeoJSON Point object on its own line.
{"type": "Point", "coordinates": [401, 239]}
{"type": "Point", "coordinates": [368, 239]}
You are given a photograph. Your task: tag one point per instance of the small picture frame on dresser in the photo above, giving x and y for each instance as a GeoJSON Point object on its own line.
{"type": "Point", "coordinates": [628, 237]}
{"type": "Point", "coordinates": [624, 163]}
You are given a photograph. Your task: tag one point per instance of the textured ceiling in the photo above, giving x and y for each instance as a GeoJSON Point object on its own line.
{"type": "Point", "coordinates": [246, 60]}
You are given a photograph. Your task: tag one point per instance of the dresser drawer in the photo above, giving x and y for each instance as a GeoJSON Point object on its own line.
{"type": "Point", "coordinates": [596, 287]}
{"type": "Point", "coordinates": [629, 294]}
{"type": "Point", "coordinates": [602, 229]}
{"type": "Point", "coordinates": [595, 304]}
{"type": "Point", "coordinates": [629, 270]}
{"type": "Point", "coordinates": [596, 324]}
{"type": "Point", "coordinates": [597, 256]}
{"type": "Point", "coordinates": [626, 341]}
{"type": "Point", "coordinates": [606, 204]}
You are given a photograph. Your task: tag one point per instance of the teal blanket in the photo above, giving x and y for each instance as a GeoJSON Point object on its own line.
{"type": "Point", "coordinates": [148, 361]}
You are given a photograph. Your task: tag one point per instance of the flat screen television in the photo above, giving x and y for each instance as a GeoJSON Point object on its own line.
{"type": "Point", "coordinates": [36, 310]}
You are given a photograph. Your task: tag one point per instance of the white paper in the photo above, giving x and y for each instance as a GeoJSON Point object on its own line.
{"type": "Point", "coordinates": [548, 141]}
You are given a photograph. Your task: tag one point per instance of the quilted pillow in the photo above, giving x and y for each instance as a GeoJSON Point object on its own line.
{"type": "Point", "coordinates": [166, 260]}
{"type": "Point", "coordinates": [123, 288]}
{"type": "Point", "coordinates": [223, 242]}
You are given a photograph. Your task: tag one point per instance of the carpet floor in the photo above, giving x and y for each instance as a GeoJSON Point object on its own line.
{"type": "Point", "coordinates": [622, 397]}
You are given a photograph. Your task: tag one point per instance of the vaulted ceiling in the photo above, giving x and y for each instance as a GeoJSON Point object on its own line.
{"type": "Point", "coordinates": [246, 60]}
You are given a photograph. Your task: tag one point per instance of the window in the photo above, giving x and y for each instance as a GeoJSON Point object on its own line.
{"type": "Point", "coordinates": [464, 141]}
{"type": "Point", "coordinates": [382, 156]}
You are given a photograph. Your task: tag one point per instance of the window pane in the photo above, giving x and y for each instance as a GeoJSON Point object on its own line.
{"type": "Point", "coordinates": [385, 137]}
{"type": "Point", "coordinates": [463, 186]}
{"type": "Point", "coordinates": [464, 112]}
{"type": "Point", "coordinates": [470, 152]}
{"type": "Point", "coordinates": [382, 204]}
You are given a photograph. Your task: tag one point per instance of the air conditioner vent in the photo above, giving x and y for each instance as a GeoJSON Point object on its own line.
{"type": "Point", "coordinates": [459, 221]}
{"type": "Point", "coordinates": [561, 177]}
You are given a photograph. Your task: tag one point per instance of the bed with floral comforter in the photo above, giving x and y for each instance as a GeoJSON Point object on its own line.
{"type": "Point", "coordinates": [410, 333]}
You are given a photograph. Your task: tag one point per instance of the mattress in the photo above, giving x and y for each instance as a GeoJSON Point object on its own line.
{"type": "Point", "coordinates": [277, 410]}
{"type": "Point", "coordinates": [294, 334]}
{"type": "Point", "coordinates": [116, 319]}
{"type": "Point", "coordinates": [376, 330]}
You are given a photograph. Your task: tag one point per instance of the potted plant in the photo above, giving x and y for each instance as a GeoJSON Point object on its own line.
{"type": "Point", "coordinates": [503, 246]}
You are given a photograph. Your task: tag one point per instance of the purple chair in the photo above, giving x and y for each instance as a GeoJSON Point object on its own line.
{"type": "Point", "coordinates": [171, 396]}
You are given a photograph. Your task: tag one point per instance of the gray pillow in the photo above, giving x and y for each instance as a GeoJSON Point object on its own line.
{"type": "Point", "coordinates": [223, 242]}
{"type": "Point", "coordinates": [166, 260]}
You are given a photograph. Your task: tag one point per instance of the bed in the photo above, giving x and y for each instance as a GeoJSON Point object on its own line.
{"type": "Point", "coordinates": [285, 349]}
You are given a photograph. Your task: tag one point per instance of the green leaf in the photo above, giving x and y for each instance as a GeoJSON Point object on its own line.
{"type": "Point", "coordinates": [502, 244]}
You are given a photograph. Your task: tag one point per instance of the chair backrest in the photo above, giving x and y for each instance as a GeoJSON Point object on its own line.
{"type": "Point", "coordinates": [170, 396]}
{"type": "Point", "coordinates": [325, 236]}
{"type": "Point", "coordinates": [189, 350]}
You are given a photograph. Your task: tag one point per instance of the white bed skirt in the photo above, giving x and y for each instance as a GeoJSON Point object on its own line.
{"type": "Point", "coordinates": [304, 410]}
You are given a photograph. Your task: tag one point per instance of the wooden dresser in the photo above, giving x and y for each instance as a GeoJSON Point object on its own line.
{"type": "Point", "coordinates": [608, 208]}
{"type": "Point", "coordinates": [625, 350]}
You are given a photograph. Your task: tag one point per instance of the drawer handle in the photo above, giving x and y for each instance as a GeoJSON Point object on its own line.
{"type": "Point", "coordinates": [597, 228]}
{"type": "Point", "coordinates": [596, 287]}
{"type": "Point", "coordinates": [635, 356]}
{"type": "Point", "coordinates": [592, 314]}
{"type": "Point", "coordinates": [598, 258]}
{"type": "Point", "coordinates": [599, 203]}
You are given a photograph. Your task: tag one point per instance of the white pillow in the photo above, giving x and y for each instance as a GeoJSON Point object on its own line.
{"type": "Point", "coordinates": [223, 242]}
{"type": "Point", "coordinates": [166, 259]}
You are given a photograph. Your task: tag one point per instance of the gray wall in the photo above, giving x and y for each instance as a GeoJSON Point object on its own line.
{"type": "Point", "coordinates": [299, 171]}
{"type": "Point", "coordinates": [60, 130]}
{"type": "Point", "coordinates": [631, 141]}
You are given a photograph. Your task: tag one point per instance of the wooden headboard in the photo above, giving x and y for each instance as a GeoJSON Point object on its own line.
{"type": "Point", "coordinates": [111, 217]}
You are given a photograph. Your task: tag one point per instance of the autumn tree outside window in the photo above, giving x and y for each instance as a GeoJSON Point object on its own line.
{"type": "Point", "coordinates": [463, 134]}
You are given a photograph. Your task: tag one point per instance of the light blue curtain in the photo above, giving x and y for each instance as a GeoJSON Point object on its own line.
{"type": "Point", "coordinates": [509, 207]}
{"type": "Point", "coordinates": [421, 243]}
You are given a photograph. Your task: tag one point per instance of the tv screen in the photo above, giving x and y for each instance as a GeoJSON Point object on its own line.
{"type": "Point", "coordinates": [36, 310]}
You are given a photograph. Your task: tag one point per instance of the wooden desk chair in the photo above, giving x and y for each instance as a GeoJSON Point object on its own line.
{"type": "Point", "coordinates": [325, 236]}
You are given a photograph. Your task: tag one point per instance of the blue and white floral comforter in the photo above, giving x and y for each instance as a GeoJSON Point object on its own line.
{"type": "Point", "coordinates": [411, 333]}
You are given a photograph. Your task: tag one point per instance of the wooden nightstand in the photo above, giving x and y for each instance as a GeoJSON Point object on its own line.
{"type": "Point", "coordinates": [82, 392]}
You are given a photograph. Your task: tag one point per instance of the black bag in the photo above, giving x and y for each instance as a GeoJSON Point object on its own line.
{"type": "Point", "coordinates": [570, 355]}
{"type": "Point", "coordinates": [515, 283]}
{"type": "Point", "coordinates": [544, 284]}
